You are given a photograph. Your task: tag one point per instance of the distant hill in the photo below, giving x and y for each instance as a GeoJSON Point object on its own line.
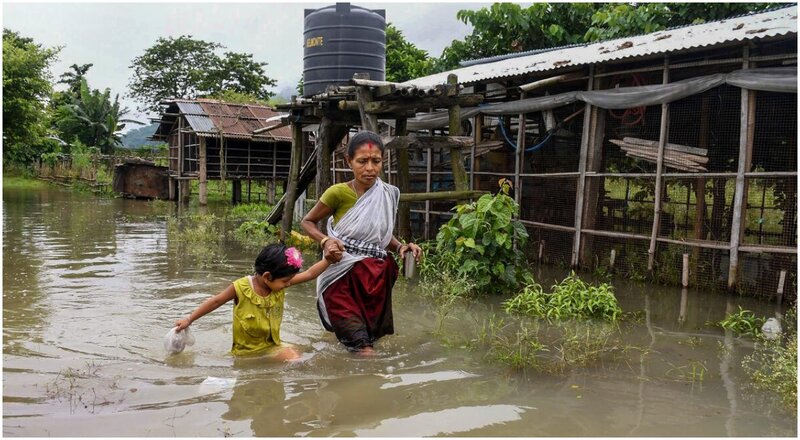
{"type": "Point", "coordinates": [137, 137]}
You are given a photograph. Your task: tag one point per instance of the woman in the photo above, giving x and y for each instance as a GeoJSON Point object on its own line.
{"type": "Point", "coordinates": [354, 295]}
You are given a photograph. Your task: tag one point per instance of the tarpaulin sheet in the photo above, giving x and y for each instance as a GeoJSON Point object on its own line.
{"type": "Point", "coordinates": [771, 79]}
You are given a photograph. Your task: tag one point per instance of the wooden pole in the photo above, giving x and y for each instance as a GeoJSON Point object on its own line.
{"type": "Point", "coordinates": [685, 273]}
{"type": "Point", "coordinates": [700, 184]}
{"type": "Point", "coordinates": [291, 183]}
{"type": "Point", "coordinates": [324, 155]}
{"type": "Point", "coordinates": [576, 241]}
{"type": "Point", "coordinates": [478, 134]}
{"type": "Point", "coordinates": [519, 155]}
{"type": "Point", "coordinates": [203, 174]}
{"type": "Point", "coordinates": [274, 180]}
{"type": "Point", "coordinates": [454, 129]}
{"type": "Point", "coordinates": [404, 183]}
{"type": "Point", "coordinates": [593, 187]}
{"type": "Point", "coordinates": [663, 138]}
{"type": "Point", "coordinates": [781, 282]}
{"type": "Point", "coordinates": [746, 130]}
{"type": "Point", "coordinates": [428, 168]}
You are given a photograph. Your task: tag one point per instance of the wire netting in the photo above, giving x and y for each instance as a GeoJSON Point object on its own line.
{"type": "Point", "coordinates": [771, 214]}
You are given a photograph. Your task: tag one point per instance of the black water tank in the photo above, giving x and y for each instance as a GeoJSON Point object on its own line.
{"type": "Point", "coordinates": [340, 40]}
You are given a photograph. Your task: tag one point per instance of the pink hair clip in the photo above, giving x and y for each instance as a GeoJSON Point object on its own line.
{"type": "Point", "coordinates": [293, 257]}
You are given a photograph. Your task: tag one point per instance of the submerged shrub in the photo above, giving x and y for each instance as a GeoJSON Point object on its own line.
{"type": "Point", "coordinates": [255, 234]}
{"type": "Point", "coordinates": [773, 367]}
{"type": "Point", "coordinates": [572, 298]}
{"type": "Point", "coordinates": [484, 242]}
{"type": "Point", "coordinates": [744, 322]}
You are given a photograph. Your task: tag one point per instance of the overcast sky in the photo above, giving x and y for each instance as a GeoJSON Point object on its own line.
{"type": "Point", "coordinates": [110, 35]}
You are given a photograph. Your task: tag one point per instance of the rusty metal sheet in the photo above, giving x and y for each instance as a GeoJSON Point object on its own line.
{"type": "Point", "coordinates": [751, 27]}
{"type": "Point", "coordinates": [141, 180]}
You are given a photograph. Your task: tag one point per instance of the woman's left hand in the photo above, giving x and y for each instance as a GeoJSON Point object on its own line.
{"type": "Point", "coordinates": [416, 250]}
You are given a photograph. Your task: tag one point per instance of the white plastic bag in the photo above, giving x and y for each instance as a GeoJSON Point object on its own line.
{"type": "Point", "coordinates": [175, 342]}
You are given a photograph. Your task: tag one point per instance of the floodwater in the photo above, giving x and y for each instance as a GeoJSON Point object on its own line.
{"type": "Point", "coordinates": [91, 286]}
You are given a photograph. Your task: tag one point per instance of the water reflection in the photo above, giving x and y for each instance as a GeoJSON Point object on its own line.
{"type": "Point", "coordinates": [93, 285]}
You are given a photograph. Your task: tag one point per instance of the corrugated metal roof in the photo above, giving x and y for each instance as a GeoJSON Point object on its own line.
{"type": "Point", "coordinates": [767, 24]}
{"type": "Point", "coordinates": [207, 117]}
{"type": "Point", "coordinates": [195, 116]}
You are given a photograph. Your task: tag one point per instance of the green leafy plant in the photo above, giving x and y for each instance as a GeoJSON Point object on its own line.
{"type": "Point", "coordinates": [744, 322]}
{"type": "Point", "coordinates": [773, 367]}
{"type": "Point", "coordinates": [570, 299]}
{"type": "Point", "coordinates": [481, 239]}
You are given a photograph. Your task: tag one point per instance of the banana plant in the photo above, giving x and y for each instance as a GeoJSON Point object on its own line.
{"type": "Point", "coordinates": [93, 119]}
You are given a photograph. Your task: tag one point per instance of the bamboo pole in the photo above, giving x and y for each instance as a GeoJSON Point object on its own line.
{"type": "Point", "coordinates": [746, 129]}
{"type": "Point", "coordinates": [404, 183]}
{"type": "Point", "coordinates": [273, 182]}
{"type": "Point", "coordinates": [662, 143]}
{"type": "Point", "coordinates": [454, 129]}
{"type": "Point", "coordinates": [203, 177]}
{"type": "Point", "coordinates": [291, 183]}
{"type": "Point", "coordinates": [700, 185]}
{"type": "Point", "coordinates": [576, 241]}
{"type": "Point", "coordinates": [428, 167]}
{"type": "Point", "coordinates": [519, 155]}
{"type": "Point", "coordinates": [478, 133]}
{"type": "Point", "coordinates": [441, 195]}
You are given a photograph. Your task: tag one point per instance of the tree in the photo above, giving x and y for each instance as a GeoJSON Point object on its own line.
{"type": "Point", "coordinates": [187, 68]}
{"type": "Point", "coordinates": [26, 88]}
{"type": "Point", "coordinates": [237, 72]}
{"type": "Point", "coordinates": [404, 61]}
{"type": "Point", "coordinates": [73, 78]}
{"type": "Point", "coordinates": [508, 27]}
{"type": "Point", "coordinates": [92, 119]}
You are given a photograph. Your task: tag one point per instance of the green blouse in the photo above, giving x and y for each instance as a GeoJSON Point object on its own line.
{"type": "Point", "coordinates": [256, 319]}
{"type": "Point", "coordinates": [340, 198]}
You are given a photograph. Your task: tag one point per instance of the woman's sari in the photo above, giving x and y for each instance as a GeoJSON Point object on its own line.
{"type": "Point", "coordinates": [354, 295]}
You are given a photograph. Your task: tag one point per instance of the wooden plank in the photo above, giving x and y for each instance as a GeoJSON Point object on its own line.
{"type": "Point", "coordinates": [519, 155]}
{"type": "Point", "coordinates": [669, 146]}
{"type": "Point", "coordinates": [667, 153]}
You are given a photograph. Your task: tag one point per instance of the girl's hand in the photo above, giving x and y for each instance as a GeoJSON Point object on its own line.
{"type": "Point", "coordinates": [332, 250]}
{"type": "Point", "coordinates": [182, 324]}
{"type": "Point", "coordinates": [416, 250]}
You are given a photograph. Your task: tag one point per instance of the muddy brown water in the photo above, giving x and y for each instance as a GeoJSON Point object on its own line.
{"type": "Point", "coordinates": [91, 286]}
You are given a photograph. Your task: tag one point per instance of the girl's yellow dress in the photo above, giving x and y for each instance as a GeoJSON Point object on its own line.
{"type": "Point", "coordinates": [256, 318]}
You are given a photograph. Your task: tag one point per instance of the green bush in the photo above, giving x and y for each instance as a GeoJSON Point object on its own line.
{"type": "Point", "coordinates": [570, 299]}
{"type": "Point", "coordinates": [773, 367]}
{"type": "Point", "coordinates": [483, 242]}
{"type": "Point", "coordinates": [744, 322]}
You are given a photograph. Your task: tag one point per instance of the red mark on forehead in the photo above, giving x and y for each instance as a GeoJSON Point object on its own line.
{"type": "Point", "coordinates": [369, 144]}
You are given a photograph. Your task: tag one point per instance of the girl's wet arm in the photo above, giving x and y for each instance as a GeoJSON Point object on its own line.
{"type": "Point", "coordinates": [312, 272]}
{"type": "Point", "coordinates": [207, 306]}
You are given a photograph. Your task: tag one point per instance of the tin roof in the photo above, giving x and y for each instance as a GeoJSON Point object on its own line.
{"type": "Point", "coordinates": [767, 24]}
{"type": "Point", "coordinates": [209, 117]}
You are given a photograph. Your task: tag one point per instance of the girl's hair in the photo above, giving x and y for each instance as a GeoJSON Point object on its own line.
{"type": "Point", "coordinates": [273, 259]}
{"type": "Point", "coordinates": [364, 137]}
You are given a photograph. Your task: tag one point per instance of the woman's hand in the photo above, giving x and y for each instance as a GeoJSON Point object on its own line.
{"type": "Point", "coordinates": [416, 250]}
{"type": "Point", "coordinates": [182, 324]}
{"type": "Point", "coordinates": [332, 250]}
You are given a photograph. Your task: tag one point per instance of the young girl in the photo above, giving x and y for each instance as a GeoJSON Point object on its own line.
{"type": "Point", "coordinates": [258, 301]}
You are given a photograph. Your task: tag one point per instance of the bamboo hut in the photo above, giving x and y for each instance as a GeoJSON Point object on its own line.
{"type": "Point", "coordinates": [214, 140]}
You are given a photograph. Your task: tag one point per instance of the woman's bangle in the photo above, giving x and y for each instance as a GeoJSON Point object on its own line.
{"type": "Point", "coordinates": [400, 244]}
{"type": "Point", "coordinates": [322, 242]}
